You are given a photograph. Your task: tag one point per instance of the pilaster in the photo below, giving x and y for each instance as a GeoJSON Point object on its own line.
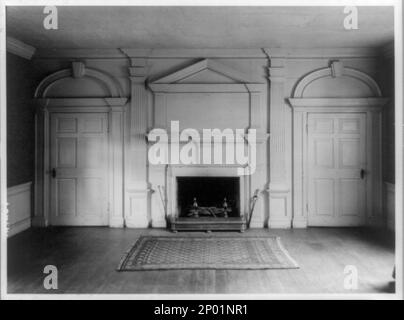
{"type": "Point", "coordinates": [279, 192]}
{"type": "Point", "coordinates": [137, 190]}
{"type": "Point", "coordinates": [116, 136]}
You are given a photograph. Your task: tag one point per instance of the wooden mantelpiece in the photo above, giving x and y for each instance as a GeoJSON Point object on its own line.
{"type": "Point", "coordinates": [208, 224]}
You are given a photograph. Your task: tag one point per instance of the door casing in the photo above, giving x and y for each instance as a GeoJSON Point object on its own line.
{"type": "Point", "coordinates": [115, 108]}
{"type": "Point", "coordinates": [301, 107]}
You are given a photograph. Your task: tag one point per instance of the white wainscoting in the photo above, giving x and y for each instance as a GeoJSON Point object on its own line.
{"type": "Point", "coordinates": [389, 204]}
{"type": "Point", "coordinates": [19, 208]}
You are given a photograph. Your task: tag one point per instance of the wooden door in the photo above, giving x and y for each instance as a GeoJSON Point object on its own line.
{"type": "Point", "coordinates": [336, 153]}
{"type": "Point", "coordinates": [79, 167]}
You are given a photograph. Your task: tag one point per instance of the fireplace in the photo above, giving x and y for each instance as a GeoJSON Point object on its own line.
{"type": "Point", "coordinates": [207, 198]}
{"type": "Point", "coordinates": [215, 197]}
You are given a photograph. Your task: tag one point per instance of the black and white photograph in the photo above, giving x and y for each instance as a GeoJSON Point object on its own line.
{"type": "Point", "coordinates": [188, 150]}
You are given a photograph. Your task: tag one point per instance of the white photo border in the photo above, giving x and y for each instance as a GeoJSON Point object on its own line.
{"type": "Point", "coordinates": [399, 121]}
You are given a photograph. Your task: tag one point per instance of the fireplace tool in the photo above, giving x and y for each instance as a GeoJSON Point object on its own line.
{"type": "Point", "coordinates": [254, 200]}
{"type": "Point", "coordinates": [162, 200]}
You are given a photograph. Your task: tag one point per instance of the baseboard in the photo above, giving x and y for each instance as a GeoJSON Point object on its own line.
{"type": "Point", "coordinates": [256, 224]}
{"type": "Point", "coordinates": [159, 224]}
{"type": "Point", "coordinates": [39, 222]}
{"type": "Point", "coordinates": [19, 208]}
{"type": "Point", "coordinates": [140, 223]}
{"type": "Point", "coordinates": [116, 222]}
{"type": "Point", "coordinates": [279, 224]}
{"type": "Point", "coordinates": [19, 227]}
{"type": "Point", "coordinates": [299, 223]}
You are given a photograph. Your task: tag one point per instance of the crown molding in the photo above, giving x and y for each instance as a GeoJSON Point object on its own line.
{"type": "Point", "coordinates": [308, 53]}
{"type": "Point", "coordinates": [132, 53]}
{"type": "Point", "coordinates": [20, 48]}
{"type": "Point", "coordinates": [57, 53]}
{"type": "Point", "coordinates": [258, 53]}
{"type": "Point", "coordinates": [195, 53]}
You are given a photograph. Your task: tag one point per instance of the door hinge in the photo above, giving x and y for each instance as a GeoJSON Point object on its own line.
{"type": "Point", "coordinates": [307, 207]}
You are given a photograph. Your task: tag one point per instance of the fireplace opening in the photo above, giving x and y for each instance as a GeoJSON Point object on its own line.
{"type": "Point", "coordinates": [216, 197]}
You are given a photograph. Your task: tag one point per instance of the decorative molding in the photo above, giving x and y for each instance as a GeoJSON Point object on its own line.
{"type": "Point", "coordinates": [328, 72]}
{"type": "Point", "coordinates": [169, 84]}
{"type": "Point", "coordinates": [186, 81]}
{"type": "Point", "coordinates": [114, 104]}
{"type": "Point", "coordinates": [124, 53]}
{"type": "Point", "coordinates": [136, 211]}
{"type": "Point", "coordinates": [20, 48]}
{"type": "Point", "coordinates": [136, 202]}
{"type": "Point", "coordinates": [308, 53]}
{"type": "Point", "coordinates": [19, 208]}
{"type": "Point", "coordinates": [78, 69]}
{"type": "Point", "coordinates": [19, 226]}
{"type": "Point", "coordinates": [206, 64]}
{"type": "Point", "coordinates": [280, 207]}
{"type": "Point", "coordinates": [138, 69]}
{"type": "Point", "coordinates": [301, 108]}
{"type": "Point", "coordinates": [337, 68]}
{"type": "Point", "coordinates": [20, 188]}
{"type": "Point", "coordinates": [195, 53]}
{"type": "Point", "coordinates": [172, 136]}
{"type": "Point", "coordinates": [116, 126]}
{"type": "Point", "coordinates": [204, 87]}
{"type": "Point", "coordinates": [289, 53]}
{"type": "Point", "coordinates": [304, 103]}
{"type": "Point", "coordinates": [81, 102]}
{"type": "Point", "coordinates": [279, 193]}
{"type": "Point", "coordinates": [276, 74]}
{"type": "Point", "coordinates": [79, 54]}
{"type": "Point", "coordinates": [299, 223]}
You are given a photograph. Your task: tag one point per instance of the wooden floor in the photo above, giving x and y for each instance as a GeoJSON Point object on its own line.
{"type": "Point", "coordinates": [87, 258]}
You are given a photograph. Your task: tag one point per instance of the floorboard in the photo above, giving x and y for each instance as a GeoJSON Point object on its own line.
{"type": "Point", "coordinates": [87, 258]}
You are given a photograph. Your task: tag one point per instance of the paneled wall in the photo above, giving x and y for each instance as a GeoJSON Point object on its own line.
{"type": "Point", "coordinates": [277, 70]}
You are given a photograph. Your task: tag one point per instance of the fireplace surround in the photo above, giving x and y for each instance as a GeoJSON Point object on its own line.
{"type": "Point", "coordinates": [209, 185]}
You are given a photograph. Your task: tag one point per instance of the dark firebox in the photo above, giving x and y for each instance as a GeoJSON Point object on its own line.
{"type": "Point", "coordinates": [217, 197]}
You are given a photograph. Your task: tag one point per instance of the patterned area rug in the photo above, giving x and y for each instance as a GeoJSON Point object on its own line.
{"type": "Point", "coordinates": [218, 252]}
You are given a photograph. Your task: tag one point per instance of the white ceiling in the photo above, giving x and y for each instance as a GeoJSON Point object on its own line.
{"type": "Point", "coordinates": [201, 27]}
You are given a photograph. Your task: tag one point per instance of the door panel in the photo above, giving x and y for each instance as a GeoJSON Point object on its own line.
{"type": "Point", "coordinates": [336, 156]}
{"type": "Point", "coordinates": [350, 190]}
{"type": "Point", "coordinates": [324, 191]}
{"type": "Point", "coordinates": [79, 157]}
{"type": "Point", "coordinates": [66, 197]}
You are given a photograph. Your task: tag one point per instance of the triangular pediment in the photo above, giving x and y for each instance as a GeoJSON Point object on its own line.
{"type": "Point", "coordinates": [205, 71]}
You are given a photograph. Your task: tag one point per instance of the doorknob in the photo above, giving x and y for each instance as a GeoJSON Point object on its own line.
{"type": "Point", "coordinates": [363, 172]}
{"type": "Point", "coordinates": [53, 173]}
